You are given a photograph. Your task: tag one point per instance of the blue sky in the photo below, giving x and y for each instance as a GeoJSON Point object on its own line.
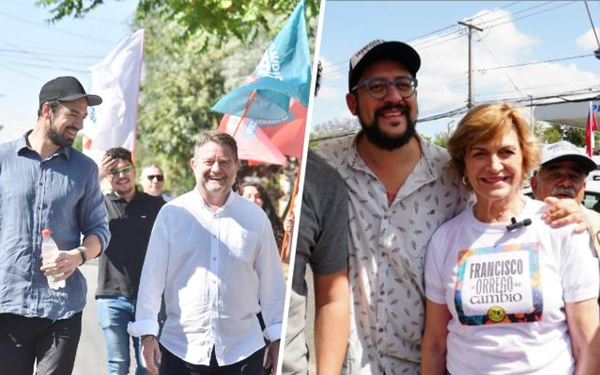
{"type": "Point", "coordinates": [559, 30]}
{"type": "Point", "coordinates": [32, 52]}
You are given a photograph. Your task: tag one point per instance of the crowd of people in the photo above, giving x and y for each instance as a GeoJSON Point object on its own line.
{"type": "Point", "coordinates": [425, 260]}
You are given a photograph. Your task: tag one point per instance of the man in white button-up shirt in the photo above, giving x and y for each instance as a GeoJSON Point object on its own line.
{"type": "Point", "coordinates": [214, 256]}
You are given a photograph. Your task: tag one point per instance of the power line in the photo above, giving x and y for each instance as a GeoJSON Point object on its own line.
{"type": "Point", "coordinates": [483, 70]}
{"type": "Point", "coordinates": [592, 22]}
{"type": "Point", "coordinates": [87, 17]}
{"type": "Point", "coordinates": [510, 15]}
{"type": "Point", "coordinates": [70, 33]}
{"type": "Point", "coordinates": [453, 26]}
{"type": "Point", "coordinates": [48, 53]}
{"type": "Point", "coordinates": [41, 66]}
{"type": "Point", "coordinates": [531, 15]}
{"type": "Point", "coordinates": [33, 54]}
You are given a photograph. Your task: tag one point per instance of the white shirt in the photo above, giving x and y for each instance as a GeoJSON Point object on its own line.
{"type": "Point", "coordinates": [218, 269]}
{"type": "Point", "coordinates": [387, 254]}
{"type": "Point", "coordinates": [506, 292]}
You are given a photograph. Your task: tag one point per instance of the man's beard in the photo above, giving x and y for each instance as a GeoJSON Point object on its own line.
{"type": "Point", "coordinates": [382, 140]}
{"type": "Point", "coordinates": [56, 137]}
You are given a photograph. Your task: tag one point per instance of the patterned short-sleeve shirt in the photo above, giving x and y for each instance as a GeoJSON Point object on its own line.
{"type": "Point", "coordinates": [387, 253]}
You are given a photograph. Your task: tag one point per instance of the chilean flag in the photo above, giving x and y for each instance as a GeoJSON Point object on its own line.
{"type": "Point", "coordinates": [591, 127]}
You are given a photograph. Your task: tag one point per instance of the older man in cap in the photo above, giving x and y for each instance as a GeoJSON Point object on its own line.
{"type": "Point", "coordinates": [46, 184]}
{"type": "Point", "coordinates": [400, 191]}
{"type": "Point", "coordinates": [562, 174]}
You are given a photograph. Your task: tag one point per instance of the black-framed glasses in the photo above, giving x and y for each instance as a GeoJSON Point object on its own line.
{"type": "Point", "coordinates": [124, 170]}
{"type": "Point", "coordinates": [159, 177]}
{"type": "Point", "coordinates": [378, 87]}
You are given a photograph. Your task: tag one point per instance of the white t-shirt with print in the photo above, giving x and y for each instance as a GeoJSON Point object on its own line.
{"type": "Point", "coordinates": [506, 291]}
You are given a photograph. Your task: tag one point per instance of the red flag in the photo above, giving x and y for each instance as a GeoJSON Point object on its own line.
{"type": "Point", "coordinates": [253, 144]}
{"type": "Point", "coordinates": [289, 136]}
{"type": "Point", "coordinates": [591, 127]}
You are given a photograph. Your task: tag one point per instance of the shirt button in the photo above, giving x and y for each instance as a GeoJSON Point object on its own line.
{"type": "Point", "coordinates": [382, 293]}
{"type": "Point", "coordinates": [385, 217]}
{"type": "Point", "coordinates": [380, 329]}
{"type": "Point", "coordinates": [214, 258]}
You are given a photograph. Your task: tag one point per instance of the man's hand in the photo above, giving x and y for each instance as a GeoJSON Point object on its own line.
{"type": "Point", "coordinates": [564, 212]}
{"type": "Point", "coordinates": [272, 356]}
{"type": "Point", "coordinates": [150, 354]}
{"type": "Point", "coordinates": [106, 165]}
{"type": "Point", "coordinates": [61, 265]}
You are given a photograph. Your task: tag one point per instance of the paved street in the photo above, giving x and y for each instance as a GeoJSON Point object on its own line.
{"type": "Point", "coordinates": [91, 355]}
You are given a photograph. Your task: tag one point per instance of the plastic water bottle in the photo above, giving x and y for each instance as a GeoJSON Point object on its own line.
{"type": "Point", "coordinates": [49, 249]}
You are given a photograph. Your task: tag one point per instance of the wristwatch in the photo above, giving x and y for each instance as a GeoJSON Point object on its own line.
{"type": "Point", "coordinates": [81, 250]}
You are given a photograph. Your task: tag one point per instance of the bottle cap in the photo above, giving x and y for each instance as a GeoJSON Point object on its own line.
{"type": "Point", "coordinates": [46, 233]}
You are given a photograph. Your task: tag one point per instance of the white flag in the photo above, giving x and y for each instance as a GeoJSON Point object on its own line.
{"type": "Point", "coordinates": [117, 80]}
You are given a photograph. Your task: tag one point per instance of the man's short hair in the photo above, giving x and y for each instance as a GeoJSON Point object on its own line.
{"type": "Point", "coordinates": [54, 106]}
{"type": "Point", "coordinates": [217, 137]}
{"type": "Point", "coordinates": [119, 153]}
{"type": "Point", "coordinates": [153, 166]}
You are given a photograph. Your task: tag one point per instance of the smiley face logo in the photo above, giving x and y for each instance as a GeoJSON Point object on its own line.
{"type": "Point", "coordinates": [496, 314]}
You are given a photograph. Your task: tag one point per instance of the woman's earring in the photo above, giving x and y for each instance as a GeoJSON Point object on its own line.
{"type": "Point", "coordinates": [465, 180]}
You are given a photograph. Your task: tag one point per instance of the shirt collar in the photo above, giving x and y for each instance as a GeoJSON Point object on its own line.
{"type": "Point", "coordinates": [228, 203]}
{"type": "Point", "coordinates": [23, 143]}
{"type": "Point", "coordinates": [431, 162]}
{"type": "Point", "coordinates": [114, 197]}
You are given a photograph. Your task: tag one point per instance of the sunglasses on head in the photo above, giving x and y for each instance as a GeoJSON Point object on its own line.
{"type": "Point", "coordinates": [159, 177]}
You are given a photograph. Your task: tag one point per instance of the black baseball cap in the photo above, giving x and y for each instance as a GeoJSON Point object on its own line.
{"type": "Point", "coordinates": [66, 89]}
{"type": "Point", "coordinates": [382, 50]}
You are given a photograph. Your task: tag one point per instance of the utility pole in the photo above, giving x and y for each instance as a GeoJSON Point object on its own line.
{"type": "Point", "coordinates": [471, 83]}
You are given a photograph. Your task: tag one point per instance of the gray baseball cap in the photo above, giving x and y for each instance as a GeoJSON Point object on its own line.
{"type": "Point", "coordinates": [382, 50]}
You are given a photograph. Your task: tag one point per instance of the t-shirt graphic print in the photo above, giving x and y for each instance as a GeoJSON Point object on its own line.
{"type": "Point", "coordinates": [499, 285]}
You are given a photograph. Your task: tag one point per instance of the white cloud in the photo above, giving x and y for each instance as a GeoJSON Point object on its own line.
{"type": "Point", "coordinates": [333, 71]}
{"type": "Point", "coordinates": [588, 41]}
{"type": "Point", "coordinates": [330, 92]}
{"type": "Point", "coordinates": [443, 83]}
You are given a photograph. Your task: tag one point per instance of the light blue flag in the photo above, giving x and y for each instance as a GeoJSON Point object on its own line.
{"type": "Point", "coordinates": [282, 73]}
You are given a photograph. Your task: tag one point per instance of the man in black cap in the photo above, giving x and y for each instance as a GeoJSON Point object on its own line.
{"type": "Point", "coordinates": [45, 184]}
{"type": "Point", "coordinates": [400, 191]}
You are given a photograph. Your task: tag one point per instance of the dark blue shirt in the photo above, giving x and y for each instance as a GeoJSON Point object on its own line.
{"type": "Point", "coordinates": [60, 193]}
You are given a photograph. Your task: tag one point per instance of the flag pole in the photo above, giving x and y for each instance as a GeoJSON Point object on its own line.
{"type": "Point", "coordinates": [245, 111]}
{"type": "Point", "coordinates": [286, 236]}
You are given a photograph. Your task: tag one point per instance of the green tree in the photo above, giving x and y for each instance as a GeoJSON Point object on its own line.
{"type": "Point", "coordinates": [222, 19]}
{"type": "Point", "coordinates": [181, 82]}
{"type": "Point", "coordinates": [556, 132]}
{"type": "Point", "coordinates": [194, 52]}
{"type": "Point", "coordinates": [552, 134]}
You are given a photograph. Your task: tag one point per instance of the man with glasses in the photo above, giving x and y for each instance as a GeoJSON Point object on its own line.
{"type": "Point", "coordinates": [562, 173]}
{"type": "Point", "coordinates": [131, 215]}
{"type": "Point", "coordinates": [213, 257]}
{"type": "Point", "coordinates": [46, 184]}
{"type": "Point", "coordinates": [153, 180]}
{"type": "Point", "coordinates": [400, 191]}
